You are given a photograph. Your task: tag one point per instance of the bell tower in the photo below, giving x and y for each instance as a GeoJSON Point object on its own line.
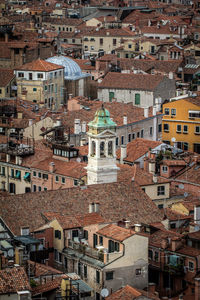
{"type": "Point", "coordinates": [102, 166]}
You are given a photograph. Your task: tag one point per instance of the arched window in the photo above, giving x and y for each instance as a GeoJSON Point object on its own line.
{"type": "Point", "coordinates": [102, 149]}
{"type": "Point", "coordinates": [110, 148]}
{"type": "Point", "coordinates": [93, 148]}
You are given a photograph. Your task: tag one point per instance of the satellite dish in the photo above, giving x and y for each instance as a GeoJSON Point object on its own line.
{"type": "Point", "coordinates": [104, 293]}
{"type": "Point", "coordinates": [78, 160]}
{"type": "Point", "coordinates": [185, 194]}
{"type": "Point", "coordinates": [173, 139]}
{"type": "Point", "coordinates": [181, 186]}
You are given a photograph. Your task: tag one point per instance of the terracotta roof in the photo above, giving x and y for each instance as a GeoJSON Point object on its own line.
{"type": "Point", "coordinates": [63, 21]}
{"type": "Point", "coordinates": [125, 293]}
{"type": "Point", "coordinates": [194, 235]}
{"type": "Point", "coordinates": [71, 169]}
{"type": "Point", "coordinates": [169, 162]}
{"type": "Point", "coordinates": [116, 232]}
{"type": "Point", "coordinates": [174, 216]}
{"type": "Point", "coordinates": [137, 148]}
{"type": "Point", "coordinates": [116, 201]}
{"type": "Point", "coordinates": [74, 221]}
{"type": "Point", "coordinates": [190, 174]}
{"type": "Point", "coordinates": [145, 82]}
{"type": "Point", "coordinates": [46, 287]}
{"type": "Point", "coordinates": [130, 293]}
{"type": "Point", "coordinates": [6, 76]}
{"type": "Point", "coordinates": [13, 280]}
{"type": "Point", "coordinates": [41, 269]}
{"type": "Point", "coordinates": [39, 65]}
{"type": "Point", "coordinates": [156, 238]}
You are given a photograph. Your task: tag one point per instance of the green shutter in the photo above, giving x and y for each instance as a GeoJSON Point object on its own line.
{"type": "Point", "coordinates": [137, 99]}
{"type": "Point", "coordinates": [111, 96]}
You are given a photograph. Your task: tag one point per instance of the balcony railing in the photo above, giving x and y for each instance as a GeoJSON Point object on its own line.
{"type": "Point", "coordinates": [86, 250]}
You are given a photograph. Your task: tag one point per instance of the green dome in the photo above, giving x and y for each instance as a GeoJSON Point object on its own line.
{"type": "Point", "coordinates": [102, 119]}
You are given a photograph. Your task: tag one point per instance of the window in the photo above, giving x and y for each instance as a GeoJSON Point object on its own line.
{"type": "Point", "coordinates": [39, 188]}
{"type": "Point", "coordinates": [34, 89]}
{"type": "Point", "coordinates": [143, 190]}
{"type": "Point", "coordinates": [191, 266]}
{"type": "Point", "coordinates": [111, 96]}
{"type": "Point", "coordinates": [173, 225]}
{"type": "Point", "coordinates": [34, 173]}
{"type": "Point", "coordinates": [39, 75]}
{"type": "Point", "coordinates": [57, 234]}
{"type": "Point", "coordinates": [178, 128]}
{"type": "Point", "coordinates": [194, 114]}
{"type": "Point", "coordinates": [91, 47]}
{"type": "Point", "coordinates": [114, 42]}
{"type": "Point", "coordinates": [160, 206]}
{"type": "Point", "coordinates": [150, 253]}
{"type": "Point", "coordinates": [137, 99]}
{"type": "Point", "coordinates": [117, 141]}
{"type": "Point", "coordinates": [97, 276]}
{"type": "Point", "coordinates": [30, 75]}
{"type": "Point", "coordinates": [3, 171]}
{"type": "Point", "coordinates": [197, 130]}
{"type": "Point", "coordinates": [110, 148]}
{"type": "Point", "coordinates": [85, 271]}
{"type": "Point", "coordinates": [0, 91]}
{"type": "Point", "coordinates": [129, 137]}
{"type": "Point", "coordinates": [164, 169]}
{"type": "Point", "coordinates": [85, 234]}
{"type": "Point", "coordinates": [45, 176]}
{"type": "Point", "coordinates": [17, 174]}
{"type": "Point", "coordinates": [156, 256]}
{"type": "Point", "coordinates": [160, 190]}
{"type": "Point", "coordinates": [39, 175]}
{"type": "Point", "coordinates": [133, 136]}
{"type": "Point", "coordinates": [185, 129]}
{"type": "Point", "coordinates": [75, 182]}
{"type": "Point", "coordinates": [100, 240]}
{"type": "Point", "coordinates": [151, 131]}
{"type": "Point", "coordinates": [122, 140]}
{"type": "Point", "coordinates": [109, 275]}
{"type": "Point", "coordinates": [173, 112]}
{"type": "Point", "coordinates": [142, 133]}
{"type": "Point", "coordinates": [102, 147]}
{"type": "Point", "coordinates": [116, 247]}
{"type": "Point", "coordinates": [57, 178]}
{"type": "Point", "coordinates": [20, 74]}
{"type": "Point", "coordinates": [34, 188]}
{"type": "Point", "coordinates": [138, 134]}
{"type": "Point", "coordinates": [95, 240]}
{"type": "Point", "coordinates": [111, 246]}
{"type": "Point", "coordinates": [12, 173]}
{"type": "Point", "coordinates": [45, 189]}
{"type": "Point", "coordinates": [25, 231]}
{"type": "Point", "coordinates": [101, 42]}
{"type": "Point", "coordinates": [63, 180]}
{"type": "Point", "coordinates": [129, 46]}
{"type": "Point", "coordinates": [166, 127]}
{"type": "Point", "coordinates": [138, 272]}
{"type": "Point", "coordinates": [182, 145]}
{"type": "Point", "coordinates": [166, 111]}
{"type": "Point", "coordinates": [159, 127]}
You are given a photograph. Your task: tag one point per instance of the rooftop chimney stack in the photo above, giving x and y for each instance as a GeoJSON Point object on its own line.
{"type": "Point", "coordinates": [125, 120]}
{"type": "Point", "coordinates": [123, 153]}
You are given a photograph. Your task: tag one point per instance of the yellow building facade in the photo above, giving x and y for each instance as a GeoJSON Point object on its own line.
{"type": "Point", "coordinates": [181, 124]}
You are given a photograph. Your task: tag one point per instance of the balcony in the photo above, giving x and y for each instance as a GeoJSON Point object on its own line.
{"type": "Point", "coordinates": [177, 270]}
{"type": "Point", "coordinates": [86, 250]}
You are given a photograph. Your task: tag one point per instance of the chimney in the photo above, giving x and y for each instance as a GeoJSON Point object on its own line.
{"type": "Point", "coordinates": [58, 122]}
{"type": "Point", "coordinates": [197, 214]}
{"type": "Point", "coordinates": [146, 164]}
{"type": "Point", "coordinates": [197, 288]}
{"type": "Point", "coordinates": [30, 122]}
{"type": "Point", "coordinates": [137, 227]}
{"type": "Point", "coordinates": [154, 110]}
{"type": "Point", "coordinates": [51, 167]}
{"type": "Point", "coordinates": [176, 243]}
{"type": "Point", "coordinates": [77, 126]}
{"type": "Point", "coordinates": [152, 166]}
{"type": "Point", "coordinates": [83, 128]}
{"type": "Point", "coordinates": [155, 178]}
{"type": "Point", "coordinates": [127, 224]}
{"type": "Point", "coordinates": [125, 120]}
{"type": "Point", "coordinates": [7, 157]}
{"type": "Point", "coordinates": [152, 287]}
{"type": "Point", "coordinates": [70, 96]}
{"type": "Point", "coordinates": [158, 106]}
{"type": "Point", "coordinates": [164, 243]}
{"type": "Point", "coordinates": [146, 112]}
{"type": "Point", "coordinates": [123, 153]}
